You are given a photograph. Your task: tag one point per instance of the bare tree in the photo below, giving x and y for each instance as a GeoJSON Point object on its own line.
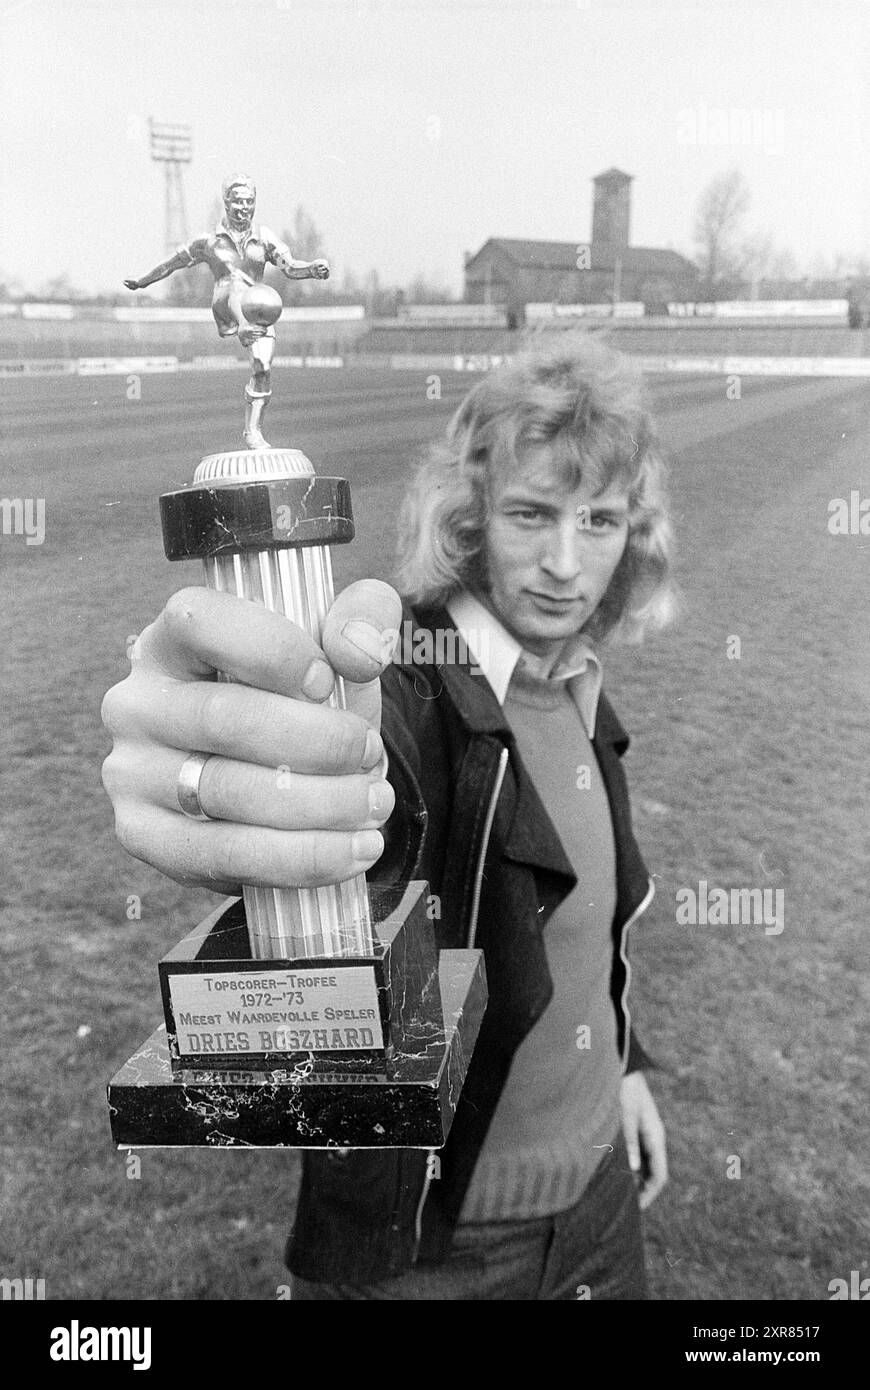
{"type": "Point", "coordinates": [718, 217]}
{"type": "Point", "coordinates": [783, 265]}
{"type": "Point", "coordinates": [306, 242]}
{"type": "Point", "coordinates": [350, 285]}
{"type": "Point", "coordinates": [422, 290]}
{"type": "Point", "coordinates": [756, 255]}
{"type": "Point", "coordinates": [304, 239]}
{"type": "Point", "coordinates": [9, 288]}
{"type": "Point", "coordinates": [60, 288]}
{"type": "Point", "coordinates": [852, 263]}
{"type": "Point", "coordinates": [763, 260]}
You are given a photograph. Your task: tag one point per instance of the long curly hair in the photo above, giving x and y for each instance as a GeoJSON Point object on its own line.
{"type": "Point", "coordinates": [587, 403]}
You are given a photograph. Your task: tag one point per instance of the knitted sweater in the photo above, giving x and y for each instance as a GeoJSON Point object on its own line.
{"type": "Point", "coordinates": [559, 1110]}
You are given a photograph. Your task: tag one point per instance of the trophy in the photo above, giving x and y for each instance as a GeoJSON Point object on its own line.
{"type": "Point", "coordinates": [304, 1018]}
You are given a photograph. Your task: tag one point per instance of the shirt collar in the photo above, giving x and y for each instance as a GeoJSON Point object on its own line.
{"type": "Point", "coordinates": [497, 654]}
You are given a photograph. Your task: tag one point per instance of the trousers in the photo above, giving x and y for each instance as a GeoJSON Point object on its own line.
{"type": "Point", "coordinates": [594, 1250]}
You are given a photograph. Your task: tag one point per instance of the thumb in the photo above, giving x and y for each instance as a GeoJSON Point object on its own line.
{"type": "Point", "coordinates": [361, 630]}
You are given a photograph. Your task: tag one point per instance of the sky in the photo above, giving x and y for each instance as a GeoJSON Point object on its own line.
{"type": "Point", "coordinates": [412, 130]}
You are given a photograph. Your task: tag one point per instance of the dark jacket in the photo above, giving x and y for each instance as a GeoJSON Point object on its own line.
{"type": "Point", "coordinates": [462, 797]}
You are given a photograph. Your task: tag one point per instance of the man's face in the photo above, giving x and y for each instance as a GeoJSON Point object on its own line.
{"type": "Point", "coordinates": [240, 208]}
{"type": "Point", "coordinates": [551, 553]}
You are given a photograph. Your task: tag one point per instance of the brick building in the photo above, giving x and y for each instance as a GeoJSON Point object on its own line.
{"type": "Point", "coordinates": [516, 272]}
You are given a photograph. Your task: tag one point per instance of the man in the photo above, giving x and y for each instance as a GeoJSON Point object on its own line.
{"type": "Point", "coordinates": [237, 253]}
{"type": "Point", "coordinates": [538, 531]}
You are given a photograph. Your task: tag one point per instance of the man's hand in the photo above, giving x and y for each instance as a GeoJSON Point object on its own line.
{"type": "Point", "coordinates": [313, 823]}
{"type": "Point", "coordinates": [318, 270]}
{"type": "Point", "coordinates": [644, 1136]}
{"type": "Point", "coordinates": [132, 284]}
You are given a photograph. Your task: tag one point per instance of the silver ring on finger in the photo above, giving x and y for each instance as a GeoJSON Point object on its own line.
{"type": "Point", "coordinates": [187, 789]}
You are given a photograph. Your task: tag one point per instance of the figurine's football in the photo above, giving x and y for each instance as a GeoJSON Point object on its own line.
{"type": "Point", "coordinates": [261, 305]}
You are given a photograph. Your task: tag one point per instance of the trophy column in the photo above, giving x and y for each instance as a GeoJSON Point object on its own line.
{"type": "Point", "coordinates": [309, 1018]}
{"type": "Point", "coordinates": [283, 567]}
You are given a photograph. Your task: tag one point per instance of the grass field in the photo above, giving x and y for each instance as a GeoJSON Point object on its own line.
{"type": "Point", "coordinates": [746, 773]}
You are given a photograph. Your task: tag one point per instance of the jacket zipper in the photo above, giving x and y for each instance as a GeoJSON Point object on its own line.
{"type": "Point", "coordinates": [642, 907]}
{"type": "Point", "coordinates": [472, 932]}
{"type": "Point", "coordinates": [418, 1219]}
{"type": "Point", "coordinates": [487, 831]}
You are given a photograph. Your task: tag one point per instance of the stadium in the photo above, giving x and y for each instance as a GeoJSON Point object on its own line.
{"type": "Point", "coordinates": [747, 719]}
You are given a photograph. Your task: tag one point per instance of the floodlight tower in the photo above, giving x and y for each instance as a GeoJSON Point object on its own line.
{"type": "Point", "coordinates": [172, 146]}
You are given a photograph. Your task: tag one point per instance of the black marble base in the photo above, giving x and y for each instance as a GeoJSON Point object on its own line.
{"type": "Point", "coordinates": [151, 1106]}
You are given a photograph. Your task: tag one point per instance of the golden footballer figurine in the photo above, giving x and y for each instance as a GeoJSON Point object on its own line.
{"type": "Point", "coordinates": [237, 253]}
